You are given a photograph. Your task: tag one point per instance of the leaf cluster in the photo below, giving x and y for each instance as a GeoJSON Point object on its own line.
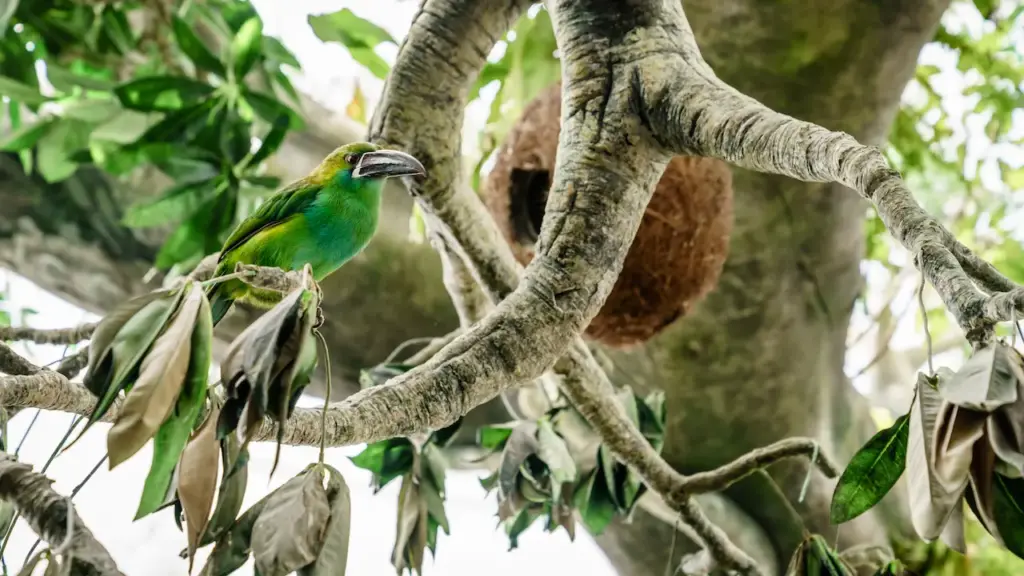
{"type": "Point", "coordinates": [301, 527]}
{"type": "Point", "coordinates": [193, 111]}
{"type": "Point", "coordinates": [421, 467]}
{"type": "Point", "coordinates": [538, 476]}
{"type": "Point", "coordinates": [962, 441]}
{"type": "Point", "coordinates": [156, 348]}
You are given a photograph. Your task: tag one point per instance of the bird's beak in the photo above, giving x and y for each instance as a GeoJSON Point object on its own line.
{"type": "Point", "coordinates": [387, 164]}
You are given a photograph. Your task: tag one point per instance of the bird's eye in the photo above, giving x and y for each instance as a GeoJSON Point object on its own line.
{"type": "Point", "coordinates": [351, 159]}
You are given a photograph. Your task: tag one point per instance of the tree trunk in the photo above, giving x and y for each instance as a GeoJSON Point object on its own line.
{"type": "Point", "coordinates": [759, 360]}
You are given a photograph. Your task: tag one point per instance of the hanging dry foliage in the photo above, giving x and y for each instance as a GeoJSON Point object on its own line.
{"type": "Point", "coordinates": [680, 247]}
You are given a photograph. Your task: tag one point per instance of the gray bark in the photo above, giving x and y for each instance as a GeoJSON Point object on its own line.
{"type": "Point", "coordinates": [750, 361]}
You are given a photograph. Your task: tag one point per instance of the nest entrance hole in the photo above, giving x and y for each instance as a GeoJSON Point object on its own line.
{"type": "Point", "coordinates": [528, 195]}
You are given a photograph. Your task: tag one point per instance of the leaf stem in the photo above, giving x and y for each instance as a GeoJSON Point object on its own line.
{"type": "Point", "coordinates": [924, 320]}
{"type": "Point", "coordinates": [327, 395]}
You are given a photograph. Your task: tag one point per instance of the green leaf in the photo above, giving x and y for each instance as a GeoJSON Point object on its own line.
{"type": "Point", "coordinates": [9, 8]}
{"type": "Point", "coordinates": [1008, 509]}
{"type": "Point", "coordinates": [245, 47]}
{"type": "Point", "coordinates": [333, 556]}
{"type": "Point", "coordinates": [54, 149]}
{"type": "Point", "coordinates": [872, 472]}
{"type": "Point", "coordinates": [172, 436]}
{"type": "Point", "coordinates": [90, 110]}
{"type": "Point", "coordinates": [162, 93]}
{"type": "Point", "coordinates": [124, 128]}
{"type": "Point", "coordinates": [381, 373]}
{"type": "Point", "coordinates": [27, 136]}
{"type": "Point", "coordinates": [21, 92]}
{"type": "Point", "coordinates": [493, 438]}
{"type": "Point", "coordinates": [199, 234]}
{"type": "Point", "coordinates": [892, 568]}
{"type": "Point", "coordinates": [358, 35]}
{"type": "Point", "coordinates": [271, 109]}
{"type": "Point", "coordinates": [522, 522]}
{"type": "Point", "coordinates": [387, 460]}
{"type": "Point", "coordinates": [66, 81]}
{"type": "Point", "coordinates": [274, 50]}
{"type": "Point", "coordinates": [195, 49]}
{"type": "Point", "coordinates": [176, 204]}
{"type": "Point", "coordinates": [272, 141]}
{"type": "Point", "coordinates": [595, 503]}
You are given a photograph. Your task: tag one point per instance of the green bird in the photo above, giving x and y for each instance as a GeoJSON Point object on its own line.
{"type": "Point", "coordinates": [324, 219]}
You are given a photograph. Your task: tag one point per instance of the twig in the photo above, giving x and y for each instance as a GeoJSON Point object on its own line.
{"type": "Point", "coordinates": [72, 365]}
{"type": "Point", "coordinates": [724, 476]}
{"type": "Point", "coordinates": [13, 363]}
{"type": "Point", "coordinates": [72, 335]}
{"type": "Point", "coordinates": [47, 513]}
{"type": "Point", "coordinates": [74, 492]}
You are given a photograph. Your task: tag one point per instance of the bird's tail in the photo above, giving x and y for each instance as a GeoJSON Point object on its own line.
{"type": "Point", "coordinates": [220, 302]}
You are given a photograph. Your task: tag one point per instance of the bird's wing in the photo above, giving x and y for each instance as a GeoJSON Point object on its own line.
{"type": "Point", "coordinates": [286, 203]}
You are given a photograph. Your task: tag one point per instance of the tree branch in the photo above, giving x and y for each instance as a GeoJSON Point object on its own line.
{"type": "Point", "coordinates": [43, 336]}
{"type": "Point", "coordinates": [693, 112]}
{"type": "Point", "coordinates": [47, 512]}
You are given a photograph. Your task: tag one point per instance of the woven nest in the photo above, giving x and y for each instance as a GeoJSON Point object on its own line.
{"type": "Point", "coordinates": [679, 249]}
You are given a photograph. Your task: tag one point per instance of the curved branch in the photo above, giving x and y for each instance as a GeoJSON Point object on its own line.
{"type": "Point", "coordinates": [696, 113]}
{"type": "Point", "coordinates": [47, 512]}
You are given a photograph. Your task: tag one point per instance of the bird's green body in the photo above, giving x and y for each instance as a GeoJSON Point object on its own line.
{"type": "Point", "coordinates": [323, 219]}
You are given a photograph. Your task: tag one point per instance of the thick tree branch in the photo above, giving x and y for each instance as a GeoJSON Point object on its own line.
{"type": "Point", "coordinates": [694, 112]}
{"type": "Point", "coordinates": [47, 512]}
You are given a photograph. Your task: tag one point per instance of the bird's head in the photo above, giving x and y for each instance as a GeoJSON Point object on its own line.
{"type": "Point", "coordinates": [362, 161]}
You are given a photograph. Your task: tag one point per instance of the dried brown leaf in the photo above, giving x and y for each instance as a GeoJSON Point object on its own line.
{"type": "Point", "coordinates": [333, 556]}
{"type": "Point", "coordinates": [983, 467]}
{"type": "Point", "coordinates": [289, 531]}
{"type": "Point", "coordinates": [930, 502]}
{"type": "Point", "coordinates": [161, 377]}
{"type": "Point", "coordinates": [197, 480]}
{"type": "Point", "coordinates": [953, 533]}
{"type": "Point", "coordinates": [986, 381]}
{"type": "Point", "coordinates": [411, 536]}
{"type": "Point", "coordinates": [957, 430]}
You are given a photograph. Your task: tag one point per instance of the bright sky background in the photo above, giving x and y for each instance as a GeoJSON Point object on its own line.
{"type": "Point", "coordinates": [150, 546]}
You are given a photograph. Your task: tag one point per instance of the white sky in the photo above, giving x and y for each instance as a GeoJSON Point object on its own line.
{"type": "Point", "coordinates": [150, 546]}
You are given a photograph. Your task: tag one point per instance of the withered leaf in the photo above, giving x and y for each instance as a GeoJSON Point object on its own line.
{"type": "Point", "coordinates": [231, 492]}
{"type": "Point", "coordinates": [248, 365]}
{"type": "Point", "coordinates": [103, 337]}
{"type": "Point", "coordinates": [986, 381]}
{"type": "Point", "coordinates": [115, 371]}
{"type": "Point", "coordinates": [931, 502]}
{"type": "Point", "coordinates": [333, 556]}
{"type": "Point", "coordinates": [411, 535]}
{"type": "Point", "coordinates": [197, 480]}
{"type": "Point", "coordinates": [552, 450]}
{"type": "Point", "coordinates": [521, 444]}
{"type": "Point", "coordinates": [983, 467]}
{"type": "Point", "coordinates": [957, 430]}
{"type": "Point", "coordinates": [289, 531]}
{"type": "Point", "coordinates": [953, 533]}
{"type": "Point", "coordinates": [171, 438]}
{"type": "Point", "coordinates": [235, 543]}
{"type": "Point", "coordinates": [160, 380]}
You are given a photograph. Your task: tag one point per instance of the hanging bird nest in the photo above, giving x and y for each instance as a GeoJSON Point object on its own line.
{"type": "Point", "coordinates": [679, 249]}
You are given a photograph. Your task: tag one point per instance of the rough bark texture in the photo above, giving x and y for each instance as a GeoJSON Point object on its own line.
{"type": "Point", "coordinates": [47, 513]}
{"type": "Point", "coordinates": [759, 360]}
